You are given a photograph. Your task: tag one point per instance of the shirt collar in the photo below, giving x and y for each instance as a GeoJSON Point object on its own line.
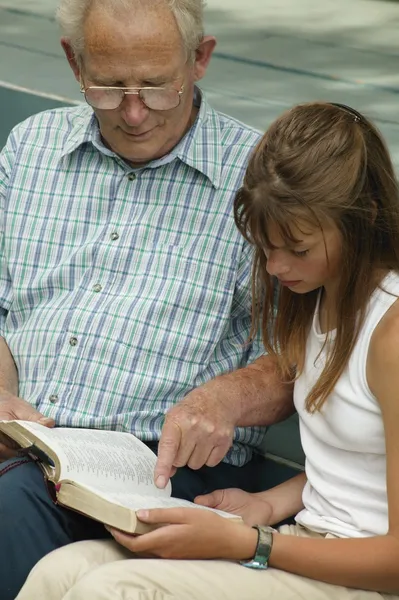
{"type": "Point", "coordinates": [200, 148]}
{"type": "Point", "coordinates": [84, 130]}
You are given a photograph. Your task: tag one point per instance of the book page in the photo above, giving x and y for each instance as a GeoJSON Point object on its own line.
{"type": "Point", "coordinates": [110, 460]}
{"type": "Point", "coordinates": [136, 502]}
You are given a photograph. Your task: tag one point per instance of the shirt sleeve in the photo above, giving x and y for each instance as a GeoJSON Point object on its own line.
{"type": "Point", "coordinates": [6, 161]}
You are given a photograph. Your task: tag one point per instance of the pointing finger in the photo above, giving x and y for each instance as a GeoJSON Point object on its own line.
{"type": "Point", "coordinates": [168, 449]}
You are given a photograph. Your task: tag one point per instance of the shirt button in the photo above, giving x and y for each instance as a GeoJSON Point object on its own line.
{"type": "Point", "coordinates": [53, 398]}
{"type": "Point", "coordinates": [114, 236]}
{"type": "Point", "coordinates": [131, 176]}
{"type": "Point", "coordinates": [73, 341]}
{"type": "Point", "coordinates": [97, 288]}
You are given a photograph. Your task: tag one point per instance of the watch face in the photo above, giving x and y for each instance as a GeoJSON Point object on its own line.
{"type": "Point", "coordinates": [254, 564]}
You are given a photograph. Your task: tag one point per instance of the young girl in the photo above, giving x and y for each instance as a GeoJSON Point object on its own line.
{"type": "Point", "coordinates": [320, 204]}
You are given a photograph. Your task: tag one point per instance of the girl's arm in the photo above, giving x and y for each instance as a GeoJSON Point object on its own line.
{"type": "Point", "coordinates": [367, 563]}
{"type": "Point", "coordinates": [262, 508]}
{"type": "Point", "coordinates": [284, 500]}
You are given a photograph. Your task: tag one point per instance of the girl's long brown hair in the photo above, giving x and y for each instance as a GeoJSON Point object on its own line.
{"type": "Point", "coordinates": [319, 162]}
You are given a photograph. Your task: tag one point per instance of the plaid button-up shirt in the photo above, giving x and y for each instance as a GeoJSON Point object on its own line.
{"type": "Point", "coordinates": [123, 289]}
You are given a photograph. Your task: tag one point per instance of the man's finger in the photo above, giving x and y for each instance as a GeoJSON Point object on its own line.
{"type": "Point", "coordinates": [217, 455]}
{"type": "Point", "coordinates": [200, 455]}
{"type": "Point", "coordinates": [46, 421]}
{"type": "Point", "coordinates": [29, 413]}
{"type": "Point", "coordinates": [168, 449]}
{"type": "Point", "coordinates": [21, 410]}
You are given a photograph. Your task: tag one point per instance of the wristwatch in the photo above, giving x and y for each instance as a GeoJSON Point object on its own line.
{"type": "Point", "coordinates": [263, 548]}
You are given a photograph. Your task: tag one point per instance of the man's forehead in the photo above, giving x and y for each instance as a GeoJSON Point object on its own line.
{"type": "Point", "coordinates": [111, 72]}
{"type": "Point", "coordinates": [143, 46]}
{"type": "Point", "coordinates": [134, 60]}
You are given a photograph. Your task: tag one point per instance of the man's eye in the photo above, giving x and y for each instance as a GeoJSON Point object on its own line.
{"type": "Point", "coordinates": [300, 252]}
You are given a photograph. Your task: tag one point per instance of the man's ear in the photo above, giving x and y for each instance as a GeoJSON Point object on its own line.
{"type": "Point", "coordinates": [69, 53]}
{"type": "Point", "coordinates": [203, 56]}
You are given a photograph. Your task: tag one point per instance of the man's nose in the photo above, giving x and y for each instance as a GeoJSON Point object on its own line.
{"type": "Point", "coordinates": [277, 264]}
{"type": "Point", "coordinates": [134, 111]}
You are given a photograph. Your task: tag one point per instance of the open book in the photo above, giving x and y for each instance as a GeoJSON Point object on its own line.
{"type": "Point", "coordinates": [106, 475]}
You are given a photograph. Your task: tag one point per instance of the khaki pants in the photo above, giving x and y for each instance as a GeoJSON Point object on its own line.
{"type": "Point", "coordinates": [102, 570]}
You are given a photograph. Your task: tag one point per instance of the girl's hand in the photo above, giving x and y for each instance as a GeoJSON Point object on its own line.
{"type": "Point", "coordinates": [190, 534]}
{"type": "Point", "coordinates": [252, 509]}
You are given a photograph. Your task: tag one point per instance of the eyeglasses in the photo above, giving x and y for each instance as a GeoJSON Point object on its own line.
{"type": "Point", "coordinates": [110, 98]}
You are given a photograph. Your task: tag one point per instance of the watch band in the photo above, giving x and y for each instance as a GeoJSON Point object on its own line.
{"type": "Point", "coordinates": [263, 548]}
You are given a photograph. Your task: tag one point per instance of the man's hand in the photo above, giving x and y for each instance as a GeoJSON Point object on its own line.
{"type": "Point", "coordinates": [198, 431]}
{"type": "Point", "coordinates": [252, 509]}
{"type": "Point", "coordinates": [12, 407]}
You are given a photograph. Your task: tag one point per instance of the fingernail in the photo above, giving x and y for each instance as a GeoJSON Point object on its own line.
{"type": "Point", "coordinates": [160, 481]}
{"type": "Point", "coordinates": [142, 514]}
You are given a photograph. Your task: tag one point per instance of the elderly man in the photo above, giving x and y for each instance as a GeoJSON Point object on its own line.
{"type": "Point", "coordinates": [124, 282]}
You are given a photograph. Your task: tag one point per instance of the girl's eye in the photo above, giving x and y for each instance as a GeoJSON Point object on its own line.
{"type": "Point", "coordinates": [300, 252]}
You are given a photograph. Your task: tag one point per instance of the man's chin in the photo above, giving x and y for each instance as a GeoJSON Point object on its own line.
{"type": "Point", "coordinates": [135, 156]}
{"type": "Point", "coordinates": [138, 152]}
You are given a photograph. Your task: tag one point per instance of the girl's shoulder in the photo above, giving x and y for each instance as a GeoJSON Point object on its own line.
{"type": "Point", "coordinates": [383, 352]}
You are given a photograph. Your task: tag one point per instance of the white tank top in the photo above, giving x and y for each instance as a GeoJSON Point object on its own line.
{"type": "Point", "coordinates": [344, 443]}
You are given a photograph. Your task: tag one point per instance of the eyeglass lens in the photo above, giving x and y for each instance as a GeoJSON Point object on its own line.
{"type": "Point", "coordinates": [109, 99]}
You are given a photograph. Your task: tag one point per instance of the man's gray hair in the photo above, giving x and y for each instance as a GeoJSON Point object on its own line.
{"type": "Point", "coordinates": [188, 14]}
